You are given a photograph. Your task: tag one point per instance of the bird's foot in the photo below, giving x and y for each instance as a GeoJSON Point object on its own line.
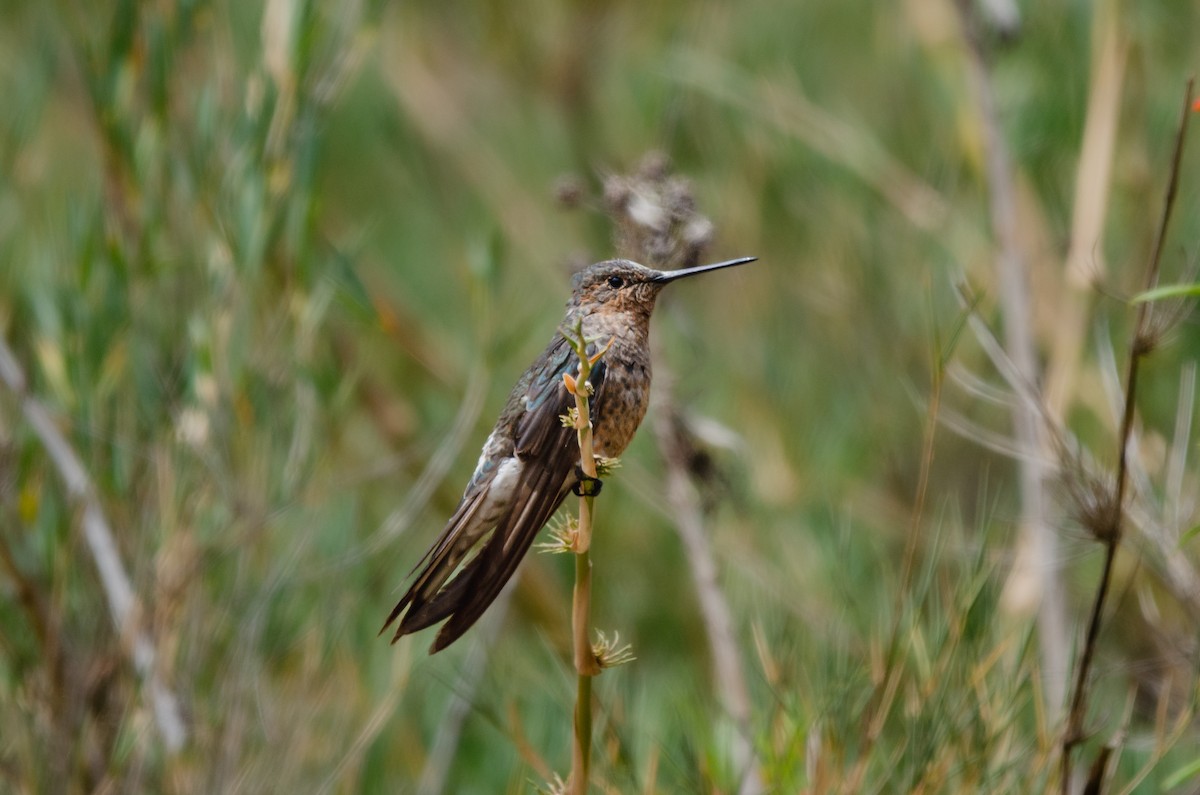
{"type": "Point", "coordinates": [587, 486]}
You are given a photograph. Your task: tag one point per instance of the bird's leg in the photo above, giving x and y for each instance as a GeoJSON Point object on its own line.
{"type": "Point", "coordinates": [587, 486]}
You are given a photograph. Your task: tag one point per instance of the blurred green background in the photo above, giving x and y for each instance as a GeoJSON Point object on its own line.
{"type": "Point", "coordinates": [274, 267]}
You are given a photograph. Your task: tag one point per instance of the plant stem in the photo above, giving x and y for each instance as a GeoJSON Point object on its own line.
{"type": "Point", "coordinates": [585, 664]}
{"type": "Point", "coordinates": [106, 554]}
{"type": "Point", "coordinates": [1074, 733]}
{"type": "Point", "coordinates": [1036, 568]}
{"type": "Point", "coordinates": [581, 604]}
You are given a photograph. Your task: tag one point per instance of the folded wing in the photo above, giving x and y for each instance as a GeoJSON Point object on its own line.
{"type": "Point", "coordinates": [547, 453]}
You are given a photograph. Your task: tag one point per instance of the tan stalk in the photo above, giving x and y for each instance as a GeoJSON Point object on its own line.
{"type": "Point", "coordinates": [586, 665]}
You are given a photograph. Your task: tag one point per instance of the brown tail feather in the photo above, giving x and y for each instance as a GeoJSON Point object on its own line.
{"type": "Point", "coordinates": [436, 566]}
{"type": "Point", "coordinates": [465, 597]}
{"type": "Point", "coordinates": [438, 606]}
{"type": "Point", "coordinates": [499, 559]}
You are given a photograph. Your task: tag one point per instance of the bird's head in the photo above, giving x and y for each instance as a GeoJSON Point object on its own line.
{"type": "Point", "coordinates": [620, 285]}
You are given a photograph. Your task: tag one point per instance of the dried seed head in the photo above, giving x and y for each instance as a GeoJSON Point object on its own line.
{"type": "Point", "coordinates": [678, 198]}
{"type": "Point", "coordinates": [655, 216]}
{"type": "Point", "coordinates": [655, 166]}
{"type": "Point", "coordinates": [563, 536]}
{"type": "Point", "coordinates": [605, 466]}
{"type": "Point", "coordinates": [609, 652]}
{"type": "Point", "coordinates": [617, 194]}
{"type": "Point", "coordinates": [1092, 501]}
{"type": "Point", "coordinates": [1161, 319]}
{"type": "Point", "coordinates": [699, 232]}
{"type": "Point", "coordinates": [555, 786]}
{"type": "Point", "coordinates": [569, 191]}
{"type": "Point", "coordinates": [1163, 315]}
{"type": "Point", "coordinates": [646, 210]}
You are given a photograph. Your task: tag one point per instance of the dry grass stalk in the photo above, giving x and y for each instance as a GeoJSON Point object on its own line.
{"type": "Point", "coordinates": [657, 222]}
{"type": "Point", "coordinates": [1093, 182]}
{"type": "Point", "coordinates": [1039, 565]}
{"type": "Point", "coordinates": [118, 590]}
{"type": "Point", "coordinates": [1148, 333]}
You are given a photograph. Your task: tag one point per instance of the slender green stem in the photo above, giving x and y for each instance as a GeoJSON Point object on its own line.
{"type": "Point", "coordinates": [585, 662]}
{"type": "Point", "coordinates": [586, 665]}
{"type": "Point", "coordinates": [581, 749]}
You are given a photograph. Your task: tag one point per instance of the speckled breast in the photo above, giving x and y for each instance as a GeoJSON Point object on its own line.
{"type": "Point", "coordinates": [623, 401]}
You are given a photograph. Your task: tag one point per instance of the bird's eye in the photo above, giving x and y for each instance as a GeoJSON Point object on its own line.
{"type": "Point", "coordinates": [615, 282]}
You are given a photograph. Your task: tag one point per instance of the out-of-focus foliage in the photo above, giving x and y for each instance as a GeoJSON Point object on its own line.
{"type": "Point", "coordinates": [274, 267]}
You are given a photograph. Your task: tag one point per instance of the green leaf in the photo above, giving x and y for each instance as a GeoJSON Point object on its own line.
{"type": "Point", "coordinates": [1188, 771]}
{"type": "Point", "coordinates": [1168, 291]}
{"type": "Point", "coordinates": [485, 259]}
{"type": "Point", "coordinates": [341, 272]}
{"type": "Point", "coordinates": [1189, 535]}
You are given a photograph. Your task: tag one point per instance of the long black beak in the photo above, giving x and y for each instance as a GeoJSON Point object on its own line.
{"type": "Point", "coordinates": [670, 276]}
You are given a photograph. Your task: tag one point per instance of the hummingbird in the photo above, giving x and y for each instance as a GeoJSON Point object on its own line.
{"type": "Point", "coordinates": [530, 461]}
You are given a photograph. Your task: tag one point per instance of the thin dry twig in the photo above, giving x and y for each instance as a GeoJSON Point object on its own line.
{"type": "Point", "coordinates": [1071, 458]}
{"type": "Point", "coordinates": [98, 534]}
{"type": "Point", "coordinates": [1144, 341]}
{"type": "Point", "coordinates": [1180, 443]}
{"type": "Point", "coordinates": [1040, 562]}
{"type": "Point", "coordinates": [1160, 533]}
{"type": "Point", "coordinates": [1093, 182]}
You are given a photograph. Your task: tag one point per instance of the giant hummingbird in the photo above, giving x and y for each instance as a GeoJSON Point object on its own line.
{"type": "Point", "coordinates": [530, 460]}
